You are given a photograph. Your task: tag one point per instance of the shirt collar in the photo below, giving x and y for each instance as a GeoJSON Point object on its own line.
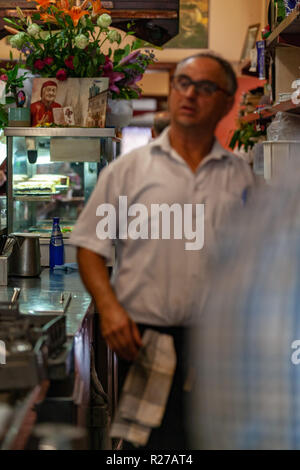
{"type": "Point", "coordinates": [162, 144]}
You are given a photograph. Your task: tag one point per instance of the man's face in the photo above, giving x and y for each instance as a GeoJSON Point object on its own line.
{"type": "Point", "coordinates": [49, 94]}
{"type": "Point", "coordinates": [189, 109]}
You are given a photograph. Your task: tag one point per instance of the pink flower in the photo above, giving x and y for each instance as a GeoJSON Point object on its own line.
{"type": "Point", "coordinates": [61, 74]}
{"type": "Point", "coordinates": [134, 79]}
{"type": "Point", "coordinates": [69, 62]}
{"type": "Point", "coordinates": [113, 76]}
{"type": "Point", "coordinates": [108, 66]}
{"type": "Point", "coordinates": [49, 61]}
{"type": "Point", "coordinates": [4, 77]}
{"type": "Point", "coordinates": [39, 64]}
{"type": "Point", "coordinates": [130, 58]}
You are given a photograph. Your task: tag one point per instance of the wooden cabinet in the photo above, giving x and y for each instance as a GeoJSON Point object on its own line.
{"type": "Point", "coordinates": [146, 4]}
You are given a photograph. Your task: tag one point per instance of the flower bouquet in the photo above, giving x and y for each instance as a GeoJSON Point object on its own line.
{"type": "Point", "coordinates": [62, 40]}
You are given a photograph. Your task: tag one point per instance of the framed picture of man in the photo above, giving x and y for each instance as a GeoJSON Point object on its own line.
{"type": "Point", "coordinates": [193, 31]}
{"type": "Point", "coordinates": [79, 102]}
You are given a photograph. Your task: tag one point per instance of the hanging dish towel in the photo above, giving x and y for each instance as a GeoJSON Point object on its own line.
{"type": "Point", "coordinates": [146, 389]}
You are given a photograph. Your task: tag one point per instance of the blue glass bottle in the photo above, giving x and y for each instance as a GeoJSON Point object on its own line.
{"type": "Point", "coordinates": [56, 247]}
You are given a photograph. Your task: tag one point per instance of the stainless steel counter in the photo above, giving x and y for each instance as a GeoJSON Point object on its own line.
{"type": "Point", "coordinates": [69, 400]}
{"type": "Point", "coordinates": [37, 292]}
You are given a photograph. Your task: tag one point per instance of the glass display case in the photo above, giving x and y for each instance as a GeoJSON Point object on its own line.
{"type": "Point", "coordinates": [51, 172]}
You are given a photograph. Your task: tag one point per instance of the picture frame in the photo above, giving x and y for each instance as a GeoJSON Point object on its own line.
{"type": "Point", "coordinates": [250, 41]}
{"type": "Point", "coordinates": [194, 26]}
{"type": "Point", "coordinates": [75, 102]}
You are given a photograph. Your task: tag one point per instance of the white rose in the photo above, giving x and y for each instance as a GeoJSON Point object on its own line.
{"type": "Point", "coordinates": [33, 29]}
{"type": "Point", "coordinates": [104, 21]}
{"type": "Point", "coordinates": [114, 36]}
{"type": "Point", "coordinates": [81, 41]}
{"type": "Point", "coordinates": [18, 40]}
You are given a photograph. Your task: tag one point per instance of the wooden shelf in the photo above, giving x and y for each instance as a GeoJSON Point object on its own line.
{"type": "Point", "coordinates": [115, 14]}
{"type": "Point", "coordinates": [286, 106]}
{"type": "Point", "coordinates": [288, 30]}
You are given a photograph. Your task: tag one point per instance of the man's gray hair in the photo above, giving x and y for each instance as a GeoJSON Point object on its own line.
{"type": "Point", "coordinates": [226, 66]}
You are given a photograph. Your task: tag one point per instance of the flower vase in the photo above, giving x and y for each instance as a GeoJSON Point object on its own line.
{"type": "Point", "coordinates": [19, 117]}
{"type": "Point", "coordinates": [119, 113]}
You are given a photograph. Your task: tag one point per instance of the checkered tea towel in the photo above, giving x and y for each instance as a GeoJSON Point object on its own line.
{"type": "Point", "coordinates": [146, 389]}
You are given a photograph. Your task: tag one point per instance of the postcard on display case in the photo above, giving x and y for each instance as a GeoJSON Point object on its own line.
{"type": "Point", "coordinates": [79, 102]}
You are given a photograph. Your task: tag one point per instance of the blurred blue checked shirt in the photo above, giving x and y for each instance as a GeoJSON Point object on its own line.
{"type": "Point", "coordinates": [247, 390]}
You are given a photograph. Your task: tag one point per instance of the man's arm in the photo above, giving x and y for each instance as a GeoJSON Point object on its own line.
{"type": "Point", "coordinates": [120, 332]}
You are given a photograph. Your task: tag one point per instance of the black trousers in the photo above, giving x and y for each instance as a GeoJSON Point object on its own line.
{"type": "Point", "coordinates": [171, 434]}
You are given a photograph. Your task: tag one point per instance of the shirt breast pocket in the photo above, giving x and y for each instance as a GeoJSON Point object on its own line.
{"type": "Point", "coordinates": [222, 206]}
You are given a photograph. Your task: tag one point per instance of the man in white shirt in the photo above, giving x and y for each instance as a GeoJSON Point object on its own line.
{"type": "Point", "coordinates": [160, 282]}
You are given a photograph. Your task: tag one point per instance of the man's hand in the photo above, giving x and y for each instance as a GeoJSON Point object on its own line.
{"type": "Point", "coordinates": [121, 333]}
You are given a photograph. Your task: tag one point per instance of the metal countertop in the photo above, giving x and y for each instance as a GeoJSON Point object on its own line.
{"type": "Point", "coordinates": [34, 293]}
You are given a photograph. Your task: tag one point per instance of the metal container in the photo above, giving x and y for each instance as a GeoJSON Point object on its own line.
{"type": "Point", "coordinates": [25, 256]}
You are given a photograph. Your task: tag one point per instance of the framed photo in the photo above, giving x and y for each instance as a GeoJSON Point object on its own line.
{"type": "Point", "coordinates": [250, 41]}
{"type": "Point", "coordinates": [193, 31]}
{"type": "Point", "coordinates": [79, 102]}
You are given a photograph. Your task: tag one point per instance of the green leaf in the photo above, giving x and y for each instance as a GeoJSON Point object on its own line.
{"type": "Point", "coordinates": [9, 21]}
{"type": "Point", "coordinates": [118, 55]}
{"type": "Point", "coordinates": [89, 23]}
{"type": "Point", "coordinates": [127, 50]}
{"type": "Point", "coordinates": [90, 70]}
{"type": "Point", "coordinates": [69, 21]}
{"type": "Point", "coordinates": [3, 112]}
{"type": "Point", "coordinates": [76, 61]}
{"type": "Point", "coordinates": [101, 59]}
{"type": "Point", "coordinates": [137, 44]}
{"type": "Point", "coordinates": [9, 100]}
{"type": "Point", "coordinates": [234, 140]}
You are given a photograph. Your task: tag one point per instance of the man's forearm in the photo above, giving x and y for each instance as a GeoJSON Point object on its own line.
{"type": "Point", "coordinates": [120, 332]}
{"type": "Point", "coordinates": [94, 274]}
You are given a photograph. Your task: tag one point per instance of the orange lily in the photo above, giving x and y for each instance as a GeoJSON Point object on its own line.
{"type": "Point", "coordinates": [84, 4]}
{"type": "Point", "coordinates": [43, 3]}
{"type": "Point", "coordinates": [75, 13]}
{"type": "Point", "coordinates": [97, 8]}
{"type": "Point", "coordinates": [63, 4]}
{"type": "Point", "coordinates": [48, 18]}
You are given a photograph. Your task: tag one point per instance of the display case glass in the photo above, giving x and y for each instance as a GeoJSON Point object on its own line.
{"type": "Point", "coordinates": [51, 173]}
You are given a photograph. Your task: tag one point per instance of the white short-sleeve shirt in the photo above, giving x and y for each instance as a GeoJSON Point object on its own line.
{"type": "Point", "coordinates": [159, 281]}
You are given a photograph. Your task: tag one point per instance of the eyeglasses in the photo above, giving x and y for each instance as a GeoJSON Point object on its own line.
{"type": "Point", "coordinates": [182, 83]}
